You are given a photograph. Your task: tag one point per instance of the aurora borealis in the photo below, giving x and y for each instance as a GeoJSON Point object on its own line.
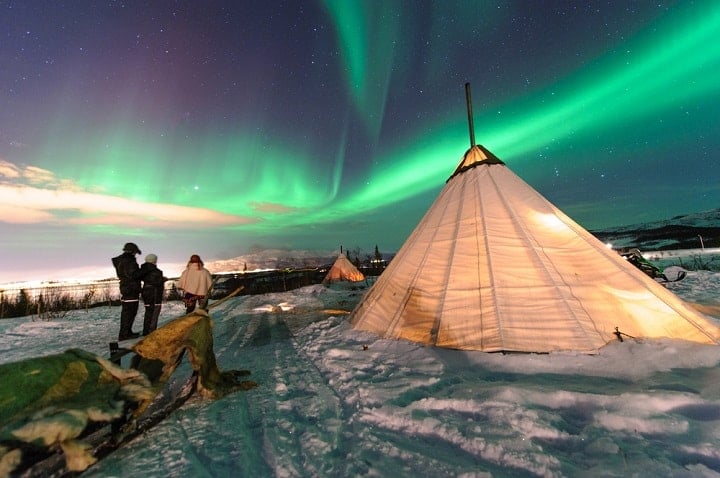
{"type": "Point", "coordinates": [222, 126]}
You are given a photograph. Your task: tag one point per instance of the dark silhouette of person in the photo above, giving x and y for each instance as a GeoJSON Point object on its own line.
{"type": "Point", "coordinates": [128, 272]}
{"type": "Point", "coordinates": [152, 292]}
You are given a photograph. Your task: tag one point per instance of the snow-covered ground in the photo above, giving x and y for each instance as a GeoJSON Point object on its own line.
{"type": "Point", "coordinates": [336, 402]}
{"type": "Point", "coordinates": [694, 259]}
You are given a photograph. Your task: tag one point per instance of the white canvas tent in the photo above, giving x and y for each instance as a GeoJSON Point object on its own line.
{"type": "Point", "coordinates": [494, 266]}
{"type": "Point", "coordinates": [343, 270]}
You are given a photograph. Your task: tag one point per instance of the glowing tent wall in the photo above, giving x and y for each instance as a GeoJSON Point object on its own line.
{"type": "Point", "coordinates": [343, 270]}
{"type": "Point", "coordinates": [494, 266]}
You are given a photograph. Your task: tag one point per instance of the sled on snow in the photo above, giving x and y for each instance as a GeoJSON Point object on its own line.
{"type": "Point", "coordinates": [72, 409]}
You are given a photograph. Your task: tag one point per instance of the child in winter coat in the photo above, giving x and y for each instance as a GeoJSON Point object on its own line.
{"type": "Point", "coordinates": [152, 292]}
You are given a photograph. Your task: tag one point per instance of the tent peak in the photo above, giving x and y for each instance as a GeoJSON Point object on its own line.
{"type": "Point", "coordinates": [476, 156]}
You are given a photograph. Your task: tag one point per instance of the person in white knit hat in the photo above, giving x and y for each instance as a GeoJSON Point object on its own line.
{"type": "Point", "coordinates": [152, 292]}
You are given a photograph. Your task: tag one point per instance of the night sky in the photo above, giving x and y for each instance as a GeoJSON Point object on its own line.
{"type": "Point", "coordinates": [221, 127]}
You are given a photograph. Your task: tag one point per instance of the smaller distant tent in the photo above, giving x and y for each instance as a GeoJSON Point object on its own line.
{"type": "Point", "coordinates": [343, 270]}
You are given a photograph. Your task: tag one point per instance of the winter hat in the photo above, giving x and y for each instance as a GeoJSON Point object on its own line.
{"type": "Point", "coordinates": [152, 258]}
{"type": "Point", "coordinates": [131, 247]}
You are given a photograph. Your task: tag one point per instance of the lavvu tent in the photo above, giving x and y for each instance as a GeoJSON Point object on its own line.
{"type": "Point", "coordinates": [343, 270]}
{"type": "Point", "coordinates": [494, 266]}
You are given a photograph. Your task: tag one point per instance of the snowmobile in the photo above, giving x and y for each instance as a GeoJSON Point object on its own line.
{"type": "Point", "coordinates": [635, 257]}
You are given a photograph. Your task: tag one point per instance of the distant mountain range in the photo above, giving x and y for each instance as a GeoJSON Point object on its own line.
{"type": "Point", "coordinates": [273, 259]}
{"type": "Point", "coordinates": [691, 231]}
{"type": "Point", "coordinates": [679, 232]}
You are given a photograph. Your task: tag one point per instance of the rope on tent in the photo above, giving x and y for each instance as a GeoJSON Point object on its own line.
{"type": "Point", "coordinates": [619, 334]}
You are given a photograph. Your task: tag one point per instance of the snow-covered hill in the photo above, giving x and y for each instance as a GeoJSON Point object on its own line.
{"type": "Point", "coordinates": [692, 231]}
{"type": "Point", "coordinates": [272, 259]}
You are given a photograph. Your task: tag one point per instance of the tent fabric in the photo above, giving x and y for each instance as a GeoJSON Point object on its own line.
{"type": "Point", "coordinates": [494, 266]}
{"type": "Point", "coordinates": [343, 270]}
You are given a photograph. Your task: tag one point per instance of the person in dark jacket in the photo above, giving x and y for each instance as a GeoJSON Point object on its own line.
{"type": "Point", "coordinates": [128, 272]}
{"type": "Point", "coordinates": [152, 292]}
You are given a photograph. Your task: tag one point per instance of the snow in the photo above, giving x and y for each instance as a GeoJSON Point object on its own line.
{"type": "Point", "coordinates": [333, 401]}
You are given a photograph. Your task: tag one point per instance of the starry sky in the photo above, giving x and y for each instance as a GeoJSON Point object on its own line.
{"type": "Point", "coordinates": [222, 127]}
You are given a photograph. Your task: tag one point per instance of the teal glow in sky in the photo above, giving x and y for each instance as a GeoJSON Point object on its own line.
{"type": "Point", "coordinates": [218, 127]}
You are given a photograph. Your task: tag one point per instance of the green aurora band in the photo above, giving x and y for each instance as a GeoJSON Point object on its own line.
{"type": "Point", "coordinates": [281, 181]}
